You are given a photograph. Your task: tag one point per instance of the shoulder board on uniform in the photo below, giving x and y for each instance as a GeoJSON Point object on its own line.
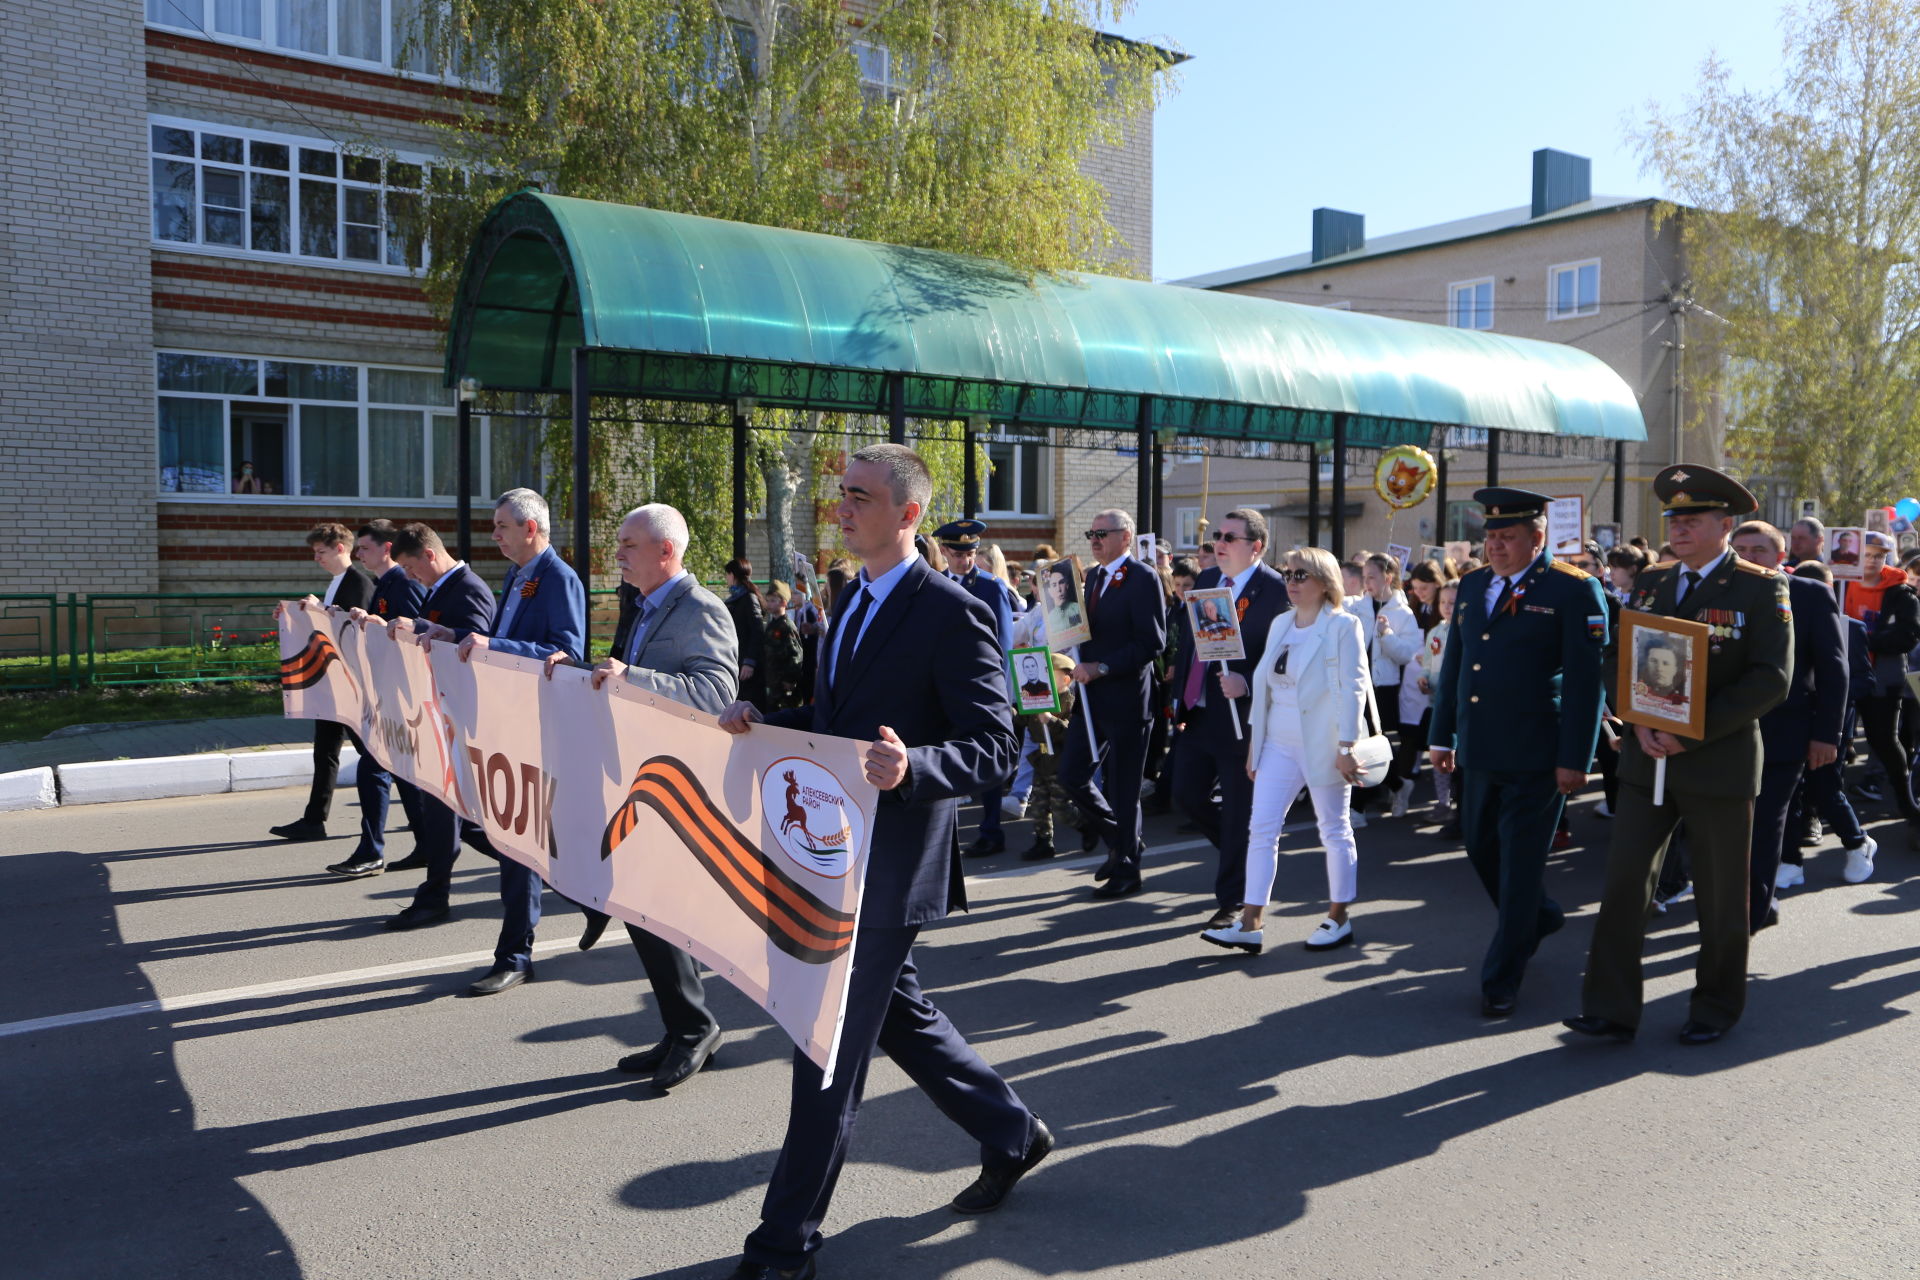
{"type": "Point", "coordinates": [1660, 567]}
{"type": "Point", "coordinates": [1561, 566]}
{"type": "Point", "coordinates": [1748, 566]}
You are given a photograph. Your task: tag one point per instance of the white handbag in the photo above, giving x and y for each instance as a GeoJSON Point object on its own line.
{"type": "Point", "coordinates": [1373, 753]}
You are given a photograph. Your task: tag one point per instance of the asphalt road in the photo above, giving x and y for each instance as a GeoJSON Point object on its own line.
{"type": "Point", "coordinates": [315, 1097]}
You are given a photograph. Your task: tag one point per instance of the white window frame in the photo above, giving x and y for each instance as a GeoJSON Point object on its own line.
{"type": "Point", "coordinates": [1471, 287]}
{"type": "Point", "coordinates": [294, 142]}
{"type": "Point", "coordinates": [1553, 290]}
{"type": "Point", "coordinates": [885, 90]}
{"type": "Point", "coordinates": [1186, 527]}
{"type": "Point", "coordinates": [1044, 486]}
{"type": "Point", "coordinates": [268, 41]}
{"type": "Point", "coordinates": [482, 435]}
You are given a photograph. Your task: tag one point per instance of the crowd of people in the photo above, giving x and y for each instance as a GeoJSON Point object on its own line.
{"type": "Point", "coordinates": [1493, 675]}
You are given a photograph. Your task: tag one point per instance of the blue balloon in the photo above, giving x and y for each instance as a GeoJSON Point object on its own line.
{"type": "Point", "coordinates": [1907, 509]}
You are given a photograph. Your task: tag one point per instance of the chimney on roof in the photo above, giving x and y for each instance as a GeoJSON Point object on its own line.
{"type": "Point", "coordinates": [1560, 180]}
{"type": "Point", "coordinates": [1336, 232]}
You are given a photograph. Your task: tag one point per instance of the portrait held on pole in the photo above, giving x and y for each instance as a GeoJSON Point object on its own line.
{"type": "Point", "coordinates": [1030, 674]}
{"type": "Point", "coordinates": [1663, 667]}
{"type": "Point", "coordinates": [1061, 594]}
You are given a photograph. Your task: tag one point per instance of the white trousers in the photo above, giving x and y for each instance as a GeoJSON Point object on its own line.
{"type": "Point", "coordinates": [1277, 783]}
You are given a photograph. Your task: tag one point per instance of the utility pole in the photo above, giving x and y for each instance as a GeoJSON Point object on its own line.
{"type": "Point", "coordinates": [1677, 304]}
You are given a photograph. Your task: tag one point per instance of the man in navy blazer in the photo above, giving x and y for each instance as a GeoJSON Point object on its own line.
{"type": "Point", "coordinates": [1127, 612]}
{"type": "Point", "coordinates": [1210, 751]}
{"type": "Point", "coordinates": [912, 664]}
{"type": "Point", "coordinates": [1801, 733]}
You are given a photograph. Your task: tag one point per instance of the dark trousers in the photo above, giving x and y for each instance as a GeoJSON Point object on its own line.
{"type": "Point", "coordinates": [1778, 779]}
{"type": "Point", "coordinates": [1821, 789]}
{"type": "Point", "coordinates": [1880, 719]}
{"type": "Point", "coordinates": [1507, 818]}
{"type": "Point", "coordinates": [1720, 835]}
{"type": "Point", "coordinates": [990, 811]}
{"type": "Point", "coordinates": [443, 831]}
{"type": "Point", "coordinates": [675, 978]}
{"type": "Point", "coordinates": [1209, 753]}
{"type": "Point", "coordinates": [886, 1010]}
{"type": "Point", "coordinates": [1112, 811]}
{"type": "Point", "coordinates": [327, 737]}
{"type": "Point", "coordinates": [373, 783]}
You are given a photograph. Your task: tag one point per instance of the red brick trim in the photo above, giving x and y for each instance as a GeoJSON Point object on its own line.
{"type": "Point", "coordinates": [238, 274]}
{"type": "Point", "coordinates": [265, 520]}
{"type": "Point", "coordinates": [291, 311]}
{"type": "Point", "coordinates": [318, 70]}
{"type": "Point", "coordinates": [266, 553]}
{"type": "Point", "coordinates": [361, 106]}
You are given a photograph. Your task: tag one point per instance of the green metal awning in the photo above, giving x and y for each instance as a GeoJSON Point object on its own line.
{"type": "Point", "coordinates": [678, 307]}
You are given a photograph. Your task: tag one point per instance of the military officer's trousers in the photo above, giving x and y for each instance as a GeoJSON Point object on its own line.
{"type": "Point", "coordinates": [1508, 817]}
{"type": "Point", "coordinates": [1719, 838]}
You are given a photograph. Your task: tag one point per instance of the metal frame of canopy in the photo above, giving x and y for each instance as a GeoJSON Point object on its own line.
{"type": "Point", "coordinates": [638, 303]}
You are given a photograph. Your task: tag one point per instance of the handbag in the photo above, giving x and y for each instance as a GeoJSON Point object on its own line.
{"type": "Point", "coordinates": [1373, 753]}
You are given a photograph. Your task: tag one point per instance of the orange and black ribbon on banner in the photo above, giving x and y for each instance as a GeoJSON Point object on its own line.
{"type": "Point", "coordinates": [308, 667]}
{"type": "Point", "coordinates": [792, 916]}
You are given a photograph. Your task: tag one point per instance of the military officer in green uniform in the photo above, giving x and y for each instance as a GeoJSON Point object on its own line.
{"type": "Point", "coordinates": [1711, 781]}
{"type": "Point", "coordinates": [1517, 711]}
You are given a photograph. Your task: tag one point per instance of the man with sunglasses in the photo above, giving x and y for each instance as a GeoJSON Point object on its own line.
{"type": "Point", "coordinates": [1127, 614]}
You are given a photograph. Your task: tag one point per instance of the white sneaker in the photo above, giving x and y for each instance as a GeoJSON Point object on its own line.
{"type": "Point", "coordinates": [1330, 933]}
{"type": "Point", "coordinates": [1359, 819]}
{"type": "Point", "coordinates": [1603, 809]}
{"type": "Point", "coordinates": [1790, 876]}
{"type": "Point", "coordinates": [1401, 795]}
{"type": "Point", "coordinates": [1860, 862]}
{"type": "Point", "coordinates": [1682, 894]}
{"type": "Point", "coordinates": [1012, 809]}
{"type": "Point", "coordinates": [1234, 938]}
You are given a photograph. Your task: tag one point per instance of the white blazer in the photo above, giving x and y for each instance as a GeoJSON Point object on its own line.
{"type": "Point", "coordinates": [1331, 679]}
{"type": "Point", "coordinates": [1390, 653]}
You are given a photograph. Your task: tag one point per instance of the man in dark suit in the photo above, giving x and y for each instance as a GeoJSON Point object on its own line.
{"type": "Point", "coordinates": [350, 588]}
{"type": "Point", "coordinates": [1711, 781]}
{"type": "Point", "coordinates": [912, 664]}
{"type": "Point", "coordinates": [679, 644]}
{"type": "Point", "coordinates": [1516, 711]}
{"type": "Point", "coordinates": [750, 629]}
{"type": "Point", "coordinates": [395, 595]}
{"type": "Point", "coordinates": [960, 547]}
{"type": "Point", "coordinates": [1127, 612]}
{"type": "Point", "coordinates": [1803, 732]}
{"type": "Point", "coordinates": [1211, 751]}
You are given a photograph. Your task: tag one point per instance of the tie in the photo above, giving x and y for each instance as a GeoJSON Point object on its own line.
{"type": "Point", "coordinates": [849, 637]}
{"type": "Point", "coordinates": [1506, 597]}
{"type": "Point", "coordinates": [1691, 579]}
{"type": "Point", "coordinates": [1095, 582]}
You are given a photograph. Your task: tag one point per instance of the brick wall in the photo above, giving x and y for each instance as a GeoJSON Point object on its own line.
{"type": "Point", "coordinates": [210, 546]}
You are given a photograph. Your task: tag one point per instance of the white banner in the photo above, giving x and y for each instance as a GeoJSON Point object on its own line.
{"type": "Point", "coordinates": [747, 850]}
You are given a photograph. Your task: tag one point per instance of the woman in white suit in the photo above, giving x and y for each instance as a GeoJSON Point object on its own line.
{"type": "Point", "coordinates": [1309, 700]}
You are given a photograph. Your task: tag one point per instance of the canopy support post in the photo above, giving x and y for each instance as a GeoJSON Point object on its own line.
{"type": "Point", "coordinates": [1160, 487]}
{"type": "Point", "coordinates": [1313, 494]}
{"type": "Point", "coordinates": [582, 407]}
{"type": "Point", "coordinates": [463, 474]}
{"type": "Point", "coordinates": [739, 481]}
{"type": "Point", "coordinates": [1620, 483]}
{"type": "Point", "coordinates": [1143, 456]}
{"type": "Point", "coordinates": [1493, 458]}
{"type": "Point", "coordinates": [897, 408]}
{"type": "Point", "coordinates": [1339, 486]}
{"type": "Point", "coordinates": [970, 482]}
{"type": "Point", "coordinates": [1440, 489]}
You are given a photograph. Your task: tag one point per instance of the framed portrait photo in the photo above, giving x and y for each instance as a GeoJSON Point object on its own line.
{"type": "Point", "coordinates": [1436, 554]}
{"type": "Point", "coordinates": [1062, 597]}
{"type": "Point", "coordinates": [1843, 552]}
{"type": "Point", "coordinates": [1030, 676]}
{"type": "Point", "coordinates": [1607, 536]}
{"type": "Point", "coordinates": [1663, 672]}
{"type": "Point", "coordinates": [1216, 625]}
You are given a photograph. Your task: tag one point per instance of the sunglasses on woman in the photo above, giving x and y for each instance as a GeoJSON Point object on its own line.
{"type": "Point", "coordinates": [1295, 575]}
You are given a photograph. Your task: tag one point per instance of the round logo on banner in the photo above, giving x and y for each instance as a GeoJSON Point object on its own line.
{"type": "Point", "coordinates": [811, 820]}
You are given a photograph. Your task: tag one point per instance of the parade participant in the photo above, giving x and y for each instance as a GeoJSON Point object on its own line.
{"type": "Point", "coordinates": [1822, 792]}
{"type": "Point", "coordinates": [750, 625]}
{"type": "Point", "coordinates": [1206, 558]}
{"type": "Point", "coordinates": [682, 646]}
{"type": "Point", "coordinates": [1127, 613]}
{"type": "Point", "coordinates": [1415, 701]}
{"type": "Point", "coordinates": [784, 656]}
{"type": "Point", "coordinates": [1446, 805]}
{"type": "Point", "coordinates": [960, 547]}
{"type": "Point", "coordinates": [1711, 781]}
{"type": "Point", "coordinates": [1214, 706]}
{"type": "Point", "coordinates": [913, 666]}
{"type": "Point", "coordinates": [1885, 602]}
{"type": "Point", "coordinates": [1310, 704]}
{"type": "Point", "coordinates": [1516, 711]}
{"type": "Point", "coordinates": [1393, 640]}
{"type": "Point", "coordinates": [1807, 540]}
{"type": "Point", "coordinates": [1048, 800]}
{"type": "Point", "coordinates": [350, 587]}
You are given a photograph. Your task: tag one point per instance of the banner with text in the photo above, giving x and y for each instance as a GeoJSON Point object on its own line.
{"type": "Point", "coordinates": [749, 850]}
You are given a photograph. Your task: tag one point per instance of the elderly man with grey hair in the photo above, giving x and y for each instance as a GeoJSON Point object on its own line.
{"type": "Point", "coordinates": [681, 645]}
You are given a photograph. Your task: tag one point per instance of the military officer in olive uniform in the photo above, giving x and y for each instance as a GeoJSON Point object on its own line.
{"type": "Point", "coordinates": [1711, 781]}
{"type": "Point", "coordinates": [1517, 711]}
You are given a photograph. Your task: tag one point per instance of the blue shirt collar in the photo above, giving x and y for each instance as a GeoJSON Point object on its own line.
{"type": "Point", "coordinates": [658, 596]}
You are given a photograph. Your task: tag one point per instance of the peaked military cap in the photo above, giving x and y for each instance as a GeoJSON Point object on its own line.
{"type": "Point", "coordinates": [1686, 489]}
{"type": "Point", "coordinates": [960, 535]}
{"type": "Point", "coordinates": [1506, 507]}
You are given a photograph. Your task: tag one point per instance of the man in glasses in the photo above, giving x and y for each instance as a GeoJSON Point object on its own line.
{"type": "Point", "coordinates": [1128, 616]}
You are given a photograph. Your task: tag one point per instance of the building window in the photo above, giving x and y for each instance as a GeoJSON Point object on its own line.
{"type": "Point", "coordinates": [1470, 304]}
{"type": "Point", "coordinates": [1186, 523]}
{"type": "Point", "coordinates": [284, 196]}
{"type": "Point", "coordinates": [296, 430]}
{"type": "Point", "coordinates": [1017, 484]}
{"type": "Point", "coordinates": [1573, 289]}
{"type": "Point", "coordinates": [883, 74]}
{"type": "Point", "coordinates": [383, 34]}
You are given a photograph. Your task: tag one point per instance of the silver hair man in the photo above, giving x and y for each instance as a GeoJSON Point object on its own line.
{"type": "Point", "coordinates": [525, 505]}
{"type": "Point", "coordinates": [664, 524]}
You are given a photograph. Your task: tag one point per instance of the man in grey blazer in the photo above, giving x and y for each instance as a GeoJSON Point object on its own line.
{"type": "Point", "coordinates": [682, 646]}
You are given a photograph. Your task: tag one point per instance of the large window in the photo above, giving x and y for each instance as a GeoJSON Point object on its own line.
{"type": "Point", "coordinates": [1573, 289]}
{"type": "Point", "coordinates": [1017, 485]}
{"type": "Point", "coordinates": [284, 196]}
{"type": "Point", "coordinates": [1470, 304]}
{"type": "Point", "coordinates": [371, 33]}
{"type": "Point", "coordinates": [299, 430]}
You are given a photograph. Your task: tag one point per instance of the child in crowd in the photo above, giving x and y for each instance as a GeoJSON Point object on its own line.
{"type": "Point", "coordinates": [1430, 654]}
{"type": "Point", "coordinates": [1048, 800]}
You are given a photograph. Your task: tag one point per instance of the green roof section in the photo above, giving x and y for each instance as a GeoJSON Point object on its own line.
{"type": "Point", "coordinates": [674, 306]}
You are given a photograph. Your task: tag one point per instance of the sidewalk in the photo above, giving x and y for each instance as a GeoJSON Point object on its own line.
{"type": "Point", "coordinates": [160, 738]}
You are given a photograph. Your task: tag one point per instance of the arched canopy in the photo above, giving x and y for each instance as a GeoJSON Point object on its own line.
{"type": "Point", "coordinates": [679, 307]}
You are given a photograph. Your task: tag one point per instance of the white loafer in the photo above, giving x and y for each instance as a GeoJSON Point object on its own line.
{"type": "Point", "coordinates": [1860, 862]}
{"type": "Point", "coordinates": [1330, 934]}
{"type": "Point", "coordinates": [1789, 877]}
{"type": "Point", "coordinates": [1234, 938]}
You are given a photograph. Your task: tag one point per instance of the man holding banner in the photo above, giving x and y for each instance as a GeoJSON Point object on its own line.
{"type": "Point", "coordinates": [912, 663]}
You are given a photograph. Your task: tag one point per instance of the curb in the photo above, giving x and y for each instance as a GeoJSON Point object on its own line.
{"type": "Point", "coordinates": [163, 778]}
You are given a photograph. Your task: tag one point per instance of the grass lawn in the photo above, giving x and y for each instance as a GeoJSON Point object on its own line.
{"type": "Point", "coordinates": [28, 717]}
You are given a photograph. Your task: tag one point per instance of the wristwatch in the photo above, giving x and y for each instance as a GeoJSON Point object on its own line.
{"type": "Point", "coordinates": [1346, 751]}
{"type": "Point", "coordinates": [1103, 667]}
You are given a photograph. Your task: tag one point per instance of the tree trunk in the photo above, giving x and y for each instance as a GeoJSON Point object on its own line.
{"type": "Point", "coordinates": [786, 471]}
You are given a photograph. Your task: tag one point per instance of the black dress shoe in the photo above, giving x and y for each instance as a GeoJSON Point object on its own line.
{"type": "Point", "coordinates": [499, 980]}
{"type": "Point", "coordinates": [647, 1061]}
{"type": "Point", "coordinates": [761, 1271]}
{"type": "Point", "coordinates": [596, 926]}
{"type": "Point", "coordinates": [1120, 885]}
{"type": "Point", "coordinates": [684, 1061]}
{"type": "Point", "coordinates": [416, 917]}
{"type": "Point", "coordinates": [1041, 851]}
{"type": "Point", "coordinates": [1222, 918]}
{"type": "Point", "coordinates": [301, 830]}
{"type": "Point", "coordinates": [1589, 1025]}
{"type": "Point", "coordinates": [1104, 872]}
{"type": "Point", "coordinates": [998, 1176]}
{"type": "Point", "coordinates": [415, 861]}
{"type": "Point", "coordinates": [353, 868]}
{"type": "Point", "coordinates": [1492, 1006]}
{"type": "Point", "coordinates": [988, 845]}
{"type": "Point", "coordinates": [1700, 1033]}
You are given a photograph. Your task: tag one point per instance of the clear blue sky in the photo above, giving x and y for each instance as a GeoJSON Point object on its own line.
{"type": "Point", "coordinates": [1409, 112]}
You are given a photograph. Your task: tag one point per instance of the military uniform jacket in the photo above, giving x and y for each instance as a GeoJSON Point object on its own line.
{"type": "Point", "coordinates": [1749, 666]}
{"type": "Point", "coordinates": [1522, 690]}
